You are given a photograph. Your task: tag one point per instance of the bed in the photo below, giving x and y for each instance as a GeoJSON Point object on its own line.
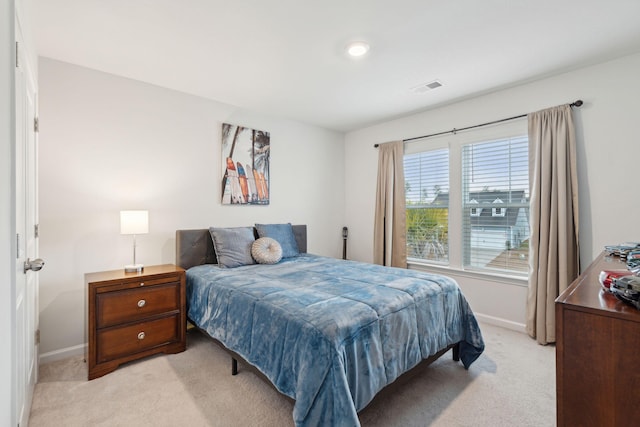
{"type": "Point", "coordinates": [329, 334]}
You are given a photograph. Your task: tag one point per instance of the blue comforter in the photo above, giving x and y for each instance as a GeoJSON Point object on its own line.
{"type": "Point", "coordinates": [331, 333]}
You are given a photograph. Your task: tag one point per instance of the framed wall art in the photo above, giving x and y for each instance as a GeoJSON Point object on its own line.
{"type": "Point", "coordinates": [245, 165]}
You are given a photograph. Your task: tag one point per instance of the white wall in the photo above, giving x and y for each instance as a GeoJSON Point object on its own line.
{"type": "Point", "coordinates": [108, 143]}
{"type": "Point", "coordinates": [608, 155]}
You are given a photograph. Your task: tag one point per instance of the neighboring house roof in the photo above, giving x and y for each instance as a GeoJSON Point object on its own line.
{"type": "Point", "coordinates": [486, 201]}
{"type": "Point", "coordinates": [486, 218]}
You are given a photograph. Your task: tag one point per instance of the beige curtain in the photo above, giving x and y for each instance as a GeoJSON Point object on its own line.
{"type": "Point", "coordinates": [390, 234]}
{"type": "Point", "coordinates": [553, 248]}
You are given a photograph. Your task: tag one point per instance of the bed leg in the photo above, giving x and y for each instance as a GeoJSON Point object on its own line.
{"type": "Point", "coordinates": [456, 352]}
{"type": "Point", "coordinates": [234, 366]}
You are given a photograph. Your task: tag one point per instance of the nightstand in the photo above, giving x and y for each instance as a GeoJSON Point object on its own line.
{"type": "Point", "coordinates": [134, 315]}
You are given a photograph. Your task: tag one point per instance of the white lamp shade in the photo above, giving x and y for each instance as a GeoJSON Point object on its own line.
{"type": "Point", "coordinates": [134, 222]}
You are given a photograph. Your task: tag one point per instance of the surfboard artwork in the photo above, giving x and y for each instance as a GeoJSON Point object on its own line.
{"type": "Point", "coordinates": [244, 185]}
{"type": "Point", "coordinates": [253, 191]}
{"type": "Point", "coordinates": [245, 165]}
{"type": "Point", "coordinates": [256, 177]}
{"type": "Point", "coordinates": [237, 195]}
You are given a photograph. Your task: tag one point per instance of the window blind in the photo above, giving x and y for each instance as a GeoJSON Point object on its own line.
{"type": "Point", "coordinates": [427, 204]}
{"type": "Point", "coordinates": [495, 191]}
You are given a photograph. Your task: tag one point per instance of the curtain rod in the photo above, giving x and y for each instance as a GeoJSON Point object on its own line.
{"type": "Point", "coordinates": [577, 103]}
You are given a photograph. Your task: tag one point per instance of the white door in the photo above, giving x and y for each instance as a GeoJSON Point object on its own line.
{"type": "Point", "coordinates": [27, 262]}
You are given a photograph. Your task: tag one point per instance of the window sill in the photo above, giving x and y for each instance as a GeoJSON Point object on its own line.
{"type": "Point", "coordinates": [446, 270]}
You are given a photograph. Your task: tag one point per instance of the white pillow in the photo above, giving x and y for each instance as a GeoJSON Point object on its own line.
{"type": "Point", "coordinates": [266, 250]}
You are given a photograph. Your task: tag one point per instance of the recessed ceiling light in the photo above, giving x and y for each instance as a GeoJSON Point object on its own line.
{"type": "Point", "coordinates": [356, 49]}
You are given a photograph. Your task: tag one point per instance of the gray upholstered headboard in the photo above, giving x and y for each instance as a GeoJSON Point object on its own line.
{"type": "Point", "coordinates": [195, 247]}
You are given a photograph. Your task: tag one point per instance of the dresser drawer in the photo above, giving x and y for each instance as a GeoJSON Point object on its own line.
{"type": "Point", "coordinates": [130, 305]}
{"type": "Point", "coordinates": [116, 342]}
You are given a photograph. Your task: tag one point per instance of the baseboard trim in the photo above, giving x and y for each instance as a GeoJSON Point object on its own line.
{"type": "Point", "coordinates": [63, 353]}
{"type": "Point", "coordinates": [497, 321]}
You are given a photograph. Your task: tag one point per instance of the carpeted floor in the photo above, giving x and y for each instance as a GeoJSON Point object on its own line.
{"type": "Point", "coordinates": [512, 383]}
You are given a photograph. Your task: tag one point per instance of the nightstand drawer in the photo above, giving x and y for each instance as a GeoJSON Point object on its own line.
{"type": "Point", "coordinates": [113, 308]}
{"type": "Point", "coordinates": [126, 340]}
{"type": "Point", "coordinates": [136, 282]}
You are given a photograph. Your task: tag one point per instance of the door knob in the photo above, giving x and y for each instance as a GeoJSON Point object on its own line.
{"type": "Point", "coordinates": [33, 264]}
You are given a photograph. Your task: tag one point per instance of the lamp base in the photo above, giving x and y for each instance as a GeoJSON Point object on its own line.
{"type": "Point", "coordinates": [133, 268]}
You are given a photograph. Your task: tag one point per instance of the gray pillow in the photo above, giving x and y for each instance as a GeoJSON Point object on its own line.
{"type": "Point", "coordinates": [266, 250]}
{"type": "Point", "coordinates": [233, 245]}
{"type": "Point", "coordinates": [283, 233]}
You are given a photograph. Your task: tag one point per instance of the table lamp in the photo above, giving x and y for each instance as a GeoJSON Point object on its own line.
{"type": "Point", "coordinates": [134, 222]}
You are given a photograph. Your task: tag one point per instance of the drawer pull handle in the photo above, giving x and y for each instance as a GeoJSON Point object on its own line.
{"type": "Point", "coordinates": [141, 303]}
{"type": "Point", "coordinates": [141, 283]}
{"type": "Point", "coordinates": [141, 336]}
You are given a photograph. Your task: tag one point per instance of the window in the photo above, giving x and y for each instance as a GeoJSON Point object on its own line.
{"type": "Point", "coordinates": [474, 210]}
{"type": "Point", "coordinates": [497, 211]}
{"type": "Point", "coordinates": [427, 198]}
{"type": "Point", "coordinates": [468, 203]}
{"type": "Point", "coordinates": [495, 174]}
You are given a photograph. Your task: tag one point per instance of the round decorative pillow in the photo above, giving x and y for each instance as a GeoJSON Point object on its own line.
{"type": "Point", "coordinates": [266, 250]}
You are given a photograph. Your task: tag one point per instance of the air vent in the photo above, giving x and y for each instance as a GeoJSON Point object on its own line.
{"type": "Point", "coordinates": [426, 87]}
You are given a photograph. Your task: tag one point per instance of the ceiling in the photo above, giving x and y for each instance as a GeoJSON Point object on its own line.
{"type": "Point", "coordinates": [286, 58]}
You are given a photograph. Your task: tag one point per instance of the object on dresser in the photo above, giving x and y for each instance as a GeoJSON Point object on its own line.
{"type": "Point", "coordinates": [606, 277]}
{"type": "Point", "coordinates": [633, 254]}
{"type": "Point", "coordinates": [622, 249]}
{"type": "Point", "coordinates": [627, 289]}
{"type": "Point", "coordinates": [633, 265]}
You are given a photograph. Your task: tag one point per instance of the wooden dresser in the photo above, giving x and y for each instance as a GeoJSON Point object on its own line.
{"type": "Point", "coordinates": [134, 315]}
{"type": "Point", "coordinates": [597, 353]}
